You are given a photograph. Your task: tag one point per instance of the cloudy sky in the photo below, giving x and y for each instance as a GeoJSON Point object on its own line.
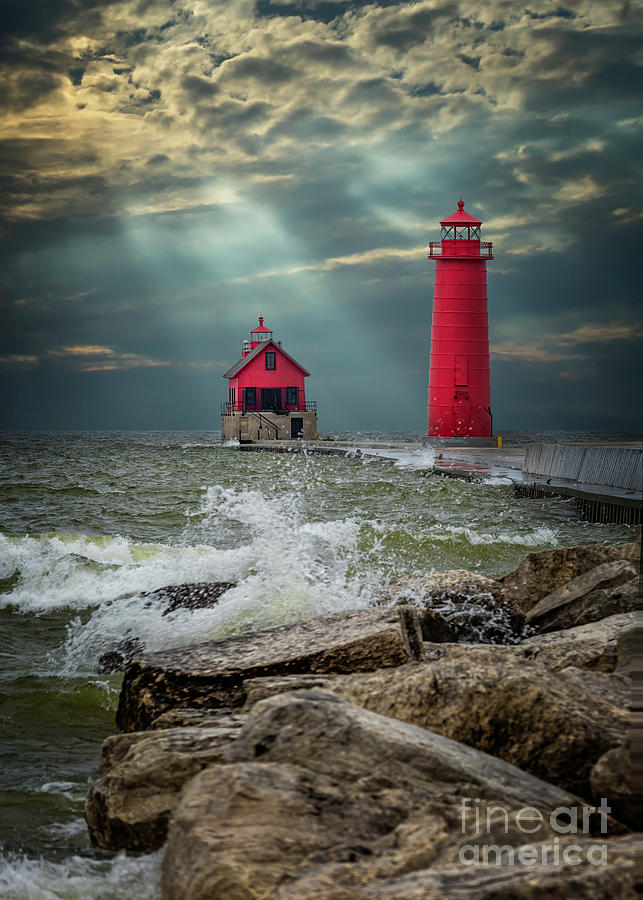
{"type": "Point", "coordinates": [172, 170]}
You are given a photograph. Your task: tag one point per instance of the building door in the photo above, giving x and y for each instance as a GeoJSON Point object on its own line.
{"type": "Point", "coordinates": [461, 423]}
{"type": "Point", "coordinates": [250, 398]}
{"type": "Point", "coordinates": [296, 428]}
{"type": "Point", "coordinates": [271, 398]}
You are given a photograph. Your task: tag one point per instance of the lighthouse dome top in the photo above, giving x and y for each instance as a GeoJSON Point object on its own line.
{"type": "Point", "coordinates": [261, 328]}
{"type": "Point", "coordinates": [460, 217]}
{"type": "Point", "coordinates": [259, 335]}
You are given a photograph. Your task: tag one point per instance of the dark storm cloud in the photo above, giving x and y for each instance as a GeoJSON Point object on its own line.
{"type": "Point", "coordinates": [171, 172]}
{"type": "Point", "coordinates": [198, 88]}
{"type": "Point", "coordinates": [234, 114]}
{"type": "Point", "coordinates": [412, 27]}
{"type": "Point", "coordinates": [19, 92]}
{"type": "Point", "coordinates": [331, 53]}
{"type": "Point", "coordinates": [30, 67]}
{"type": "Point", "coordinates": [306, 126]}
{"type": "Point", "coordinates": [39, 19]}
{"type": "Point", "coordinates": [264, 69]}
{"type": "Point", "coordinates": [316, 10]}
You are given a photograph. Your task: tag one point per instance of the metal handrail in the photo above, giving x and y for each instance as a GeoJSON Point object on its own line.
{"type": "Point", "coordinates": [263, 420]}
{"type": "Point", "coordinates": [229, 407]}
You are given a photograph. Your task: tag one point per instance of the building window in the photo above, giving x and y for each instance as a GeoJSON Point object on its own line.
{"type": "Point", "coordinates": [251, 396]}
{"type": "Point", "coordinates": [271, 360]}
{"type": "Point", "coordinates": [291, 396]}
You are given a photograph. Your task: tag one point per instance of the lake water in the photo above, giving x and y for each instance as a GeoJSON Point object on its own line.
{"type": "Point", "coordinates": [88, 521]}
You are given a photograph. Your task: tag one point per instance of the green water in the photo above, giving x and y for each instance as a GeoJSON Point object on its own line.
{"type": "Point", "coordinates": [89, 521]}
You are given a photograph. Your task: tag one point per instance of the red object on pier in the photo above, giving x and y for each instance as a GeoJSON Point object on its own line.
{"type": "Point", "coordinates": [266, 378]}
{"type": "Point", "coordinates": [459, 385]}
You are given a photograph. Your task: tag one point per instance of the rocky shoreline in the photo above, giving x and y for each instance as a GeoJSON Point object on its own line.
{"type": "Point", "coordinates": [456, 739]}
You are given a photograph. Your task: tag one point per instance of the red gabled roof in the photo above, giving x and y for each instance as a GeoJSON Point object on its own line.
{"type": "Point", "coordinates": [460, 217]}
{"type": "Point", "coordinates": [243, 362]}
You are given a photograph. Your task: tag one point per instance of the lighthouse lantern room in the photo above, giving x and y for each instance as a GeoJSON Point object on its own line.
{"type": "Point", "coordinates": [459, 382]}
{"type": "Point", "coordinates": [267, 394]}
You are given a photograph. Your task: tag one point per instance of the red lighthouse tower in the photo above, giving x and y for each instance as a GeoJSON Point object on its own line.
{"type": "Point", "coordinates": [459, 388]}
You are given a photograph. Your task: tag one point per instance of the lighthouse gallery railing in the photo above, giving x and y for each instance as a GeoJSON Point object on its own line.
{"type": "Point", "coordinates": [462, 248]}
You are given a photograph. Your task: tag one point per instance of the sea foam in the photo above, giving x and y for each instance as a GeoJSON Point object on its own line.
{"type": "Point", "coordinates": [78, 878]}
{"type": "Point", "coordinates": [285, 568]}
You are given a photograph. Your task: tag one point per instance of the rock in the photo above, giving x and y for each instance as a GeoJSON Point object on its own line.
{"type": "Point", "coordinates": [196, 595]}
{"type": "Point", "coordinates": [533, 880]}
{"type": "Point", "coordinates": [632, 550]}
{"type": "Point", "coordinates": [141, 778]}
{"type": "Point", "coordinates": [602, 591]}
{"type": "Point", "coordinates": [240, 829]}
{"type": "Point", "coordinates": [257, 689]}
{"type": "Point", "coordinates": [611, 777]}
{"type": "Point", "coordinates": [541, 573]}
{"type": "Point", "coordinates": [473, 605]}
{"type": "Point", "coordinates": [117, 659]}
{"type": "Point", "coordinates": [181, 596]}
{"type": "Point", "coordinates": [321, 793]}
{"type": "Point", "coordinates": [199, 718]}
{"type": "Point", "coordinates": [210, 674]}
{"type": "Point", "coordinates": [593, 646]}
{"type": "Point", "coordinates": [554, 725]}
{"type": "Point", "coordinates": [433, 625]}
{"type": "Point", "coordinates": [630, 648]}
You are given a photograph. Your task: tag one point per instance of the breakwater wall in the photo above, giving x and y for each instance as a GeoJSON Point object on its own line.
{"type": "Point", "coordinates": [605, 465]}
{"type": "Point", "coordinates": [603, 480]}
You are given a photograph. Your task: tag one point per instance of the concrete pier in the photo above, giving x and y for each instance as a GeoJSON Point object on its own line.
{"type": "Point", "coordinates": [604, 479]}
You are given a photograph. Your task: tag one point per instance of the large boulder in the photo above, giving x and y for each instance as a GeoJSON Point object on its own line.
{"type": "Point", "coordinates": [211, 674]}
{"type": "Point", "coordinates": [602, 591]}
{"type": "Point", "coordinates": [199, 718]}
{"type": "Point", "coordinates": [141, 779]}
{"type": "Point", "coordinates": [321, 798]}
{"type": "Point", "coordinates": [593, 646]}
{"type": "Point", "coordinates": [474, 606]}
{"type": "Point", "coordinates": [554, 725]}
{"type": "Point", "coordinates": [521, 874]}
{"type": "Point", "coordinates": [611, 777]}
{"type": "Point", "coordinates": [541, 573]}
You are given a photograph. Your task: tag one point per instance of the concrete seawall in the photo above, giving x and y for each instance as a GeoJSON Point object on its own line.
{"type": "Point", "coordinates": [612, 466]}
{"type": "Point", "coordinates": [605, 480]}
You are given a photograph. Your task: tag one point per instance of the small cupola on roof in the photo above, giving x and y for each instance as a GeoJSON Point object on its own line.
{"type": "Point", "coordinates": [460, 226]}
{"type": "Point", "coordinates": [260, 334]}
